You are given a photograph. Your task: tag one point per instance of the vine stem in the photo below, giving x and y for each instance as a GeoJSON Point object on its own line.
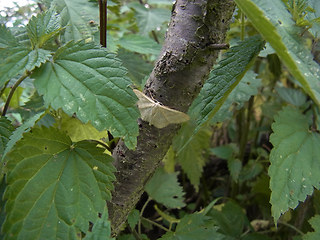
{"type": "Point", "coordinates": [13, 89]}
{"type": "Point", "coordinates": [156, 224]}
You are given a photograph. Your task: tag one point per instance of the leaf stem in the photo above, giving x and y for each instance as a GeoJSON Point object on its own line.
{"type": "Point", "coordinates": [141, 213]}
{"type": "Point", "coordinates": [13, 89]}
{"type": "Point", "coordinates": [292, 227]}
{"type": "Point", "coordinates": [156, 224]}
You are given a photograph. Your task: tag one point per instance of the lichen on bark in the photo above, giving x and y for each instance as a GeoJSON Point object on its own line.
{"type": "Point", "coordinates": [183, 65]}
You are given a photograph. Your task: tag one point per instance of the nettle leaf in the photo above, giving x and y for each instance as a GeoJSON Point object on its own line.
{"type": "Point", "coordinates": [76, 17]}
{"type": "Point", "coordinates": [55, 187]}
{"type": "Point", "coordinates": [133, 218]}
{"type": "Point", "coordinates": [247, 87]}
{"type": "Point", "coordinates": [315, 223]}
{"type": "Point", "coordinates": [194, 226]}
{"type": "Point", "coordinates": [295, 165]}
{"type": "Point", "coordinates": [101, 229]}
{"type": "Point", "coordinates": [87, 80]}
{"type": "Point", "coordinates": [231, 220]}
{"type": "Point", "coordinates": [164, 188]}
{"type": "Point", "coordinates": [6, 130]}
{"type": "Point", "coordinates": [17, 134]}
{"type": "Point", "coordinates": [18, 59]}
{"type": "Point", "coordinates": [43, 27]}
{"type": "Point", "coordinates": [275, 23]}
{"type": "Point", "coordinates": [7, 39]}
{"type": "Point", "coordinates": [149, 19]}
{"type": "Point", "coordinates": [191, 157]}
{"type": "Point", "coordinates": [293, 96]}
{"type": "Point", "coordinates": [139, 44]}
{"type": "Point", "coordinates": [224, 78]}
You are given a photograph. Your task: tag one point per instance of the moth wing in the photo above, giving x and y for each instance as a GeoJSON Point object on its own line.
{"type": "Point", "coordinates": [145, 105]}
{"type": "Point", "coordinates": [163, 116]}
{"type": "Point", "coordinates": [157, 115]}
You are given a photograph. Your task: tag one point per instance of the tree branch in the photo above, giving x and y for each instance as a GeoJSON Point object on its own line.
{"type": "Point", "coordinates": [183, 65]}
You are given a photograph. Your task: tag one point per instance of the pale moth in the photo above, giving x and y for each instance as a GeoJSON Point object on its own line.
{"type": "Point", "coordinates": [156, 114]}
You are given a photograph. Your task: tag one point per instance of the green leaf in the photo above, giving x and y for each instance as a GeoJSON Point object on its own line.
{"type": "Point", "coordinates": [194, 226]}
{"type": "Point", "coordinates": [247, 87]}
{"type": "Point", "coordinates": [275, 23]}
{"type": "Point", "coordinates": [138, 68]}
{"type": "Point", "coordinates": [314, 17]}
{"type": "Point", "coordinates": [315, 223]}
{"type": "Point", "coordinates": [17, 134]}
{"type": "Point", "coordinates": [191, 157]}
{"type": "Point", "coordinates": [139, 44]}
{"type": "Point", "coordinates": [6, 130]}
{"type": "Point", "coordinates": [76, 17]}
{"type": "Point", "coordinates": [43, 27]}
{"type": "Point", "coordinates": [133, 218]}
{"type": "Point", "coordinates": [235, 167]}
{"type": "Point", "coordinates": [149, 19]}
{"type": "Point", "coordinates": [87, 80]}
{"type": "Point", "coordinates": [101, 229]}
{"type": "Point", "coordinates": [7, 39]}
{"type": "Point", "coordinates": [295, 166]}
{"type": "Point", "coordinates": [18, 59]}
{"type": "Point", "coordinates": [293, 96]}
{"type": "Point", "coordinates": [55, 187]}
{"type": "Point", "coordinates": [164, 188]}
{"type": "Point", "coordinates": [224, 78]}
{"type": "Point", "coordinates": [250, 170]}
{"type": "Point", "coordinates": [231, 220]}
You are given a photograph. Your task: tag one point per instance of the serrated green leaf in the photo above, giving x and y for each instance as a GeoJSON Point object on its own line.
{"type": "Point", "coordinates": [138, 68]}
{"type": "Point", "coordinates": [315, 223]}
{"type": "Point", "coordinates": [149, 19]}
{"type": "Point", "coordinates": [293, 96]}
{"type": "Point", "coordinates": [87, 80]}
{"type": "Point", "coordinates": [224, 78]}
{"type": "Point", "coordinates": [275, 23]}
{"type": "Point", "coordinates": [101, 229]}
{"type": "Point", "coordinates": [43, 27]}
{"type": "Point", "coordinates": [7, 39]}
{"type": "Point", "coordinates": [6, 130]}
{"type": "Point", "coordinates": [194, 226]}
{"type": "Point", "coordinates": [164, 188]}
{"type": "Point", "coordinates": [18, 59]}
{"type": "Point", "coordinates": [76, 17]}
{"type": "Point", "coordinates": [295, 166]}
{"type": "Point", "coordinates": [17, 134]}
{"type": "Point", "coordinates": [191, 156]}
{"type": "Point", "coordinates": [55, 187]}
{"type": "Point", "coordinates": [133, 218]}
{"type": "Point", "coordinates": [139, 44]}
{"type": "Point", "coordinates": [231, 220]}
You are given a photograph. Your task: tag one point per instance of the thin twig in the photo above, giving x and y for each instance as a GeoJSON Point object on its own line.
{"type": "Point", "coordinates": [13, 89]}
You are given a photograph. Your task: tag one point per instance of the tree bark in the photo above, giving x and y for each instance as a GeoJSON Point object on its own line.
{"type": "Point", "coordinates": [184, 63]}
